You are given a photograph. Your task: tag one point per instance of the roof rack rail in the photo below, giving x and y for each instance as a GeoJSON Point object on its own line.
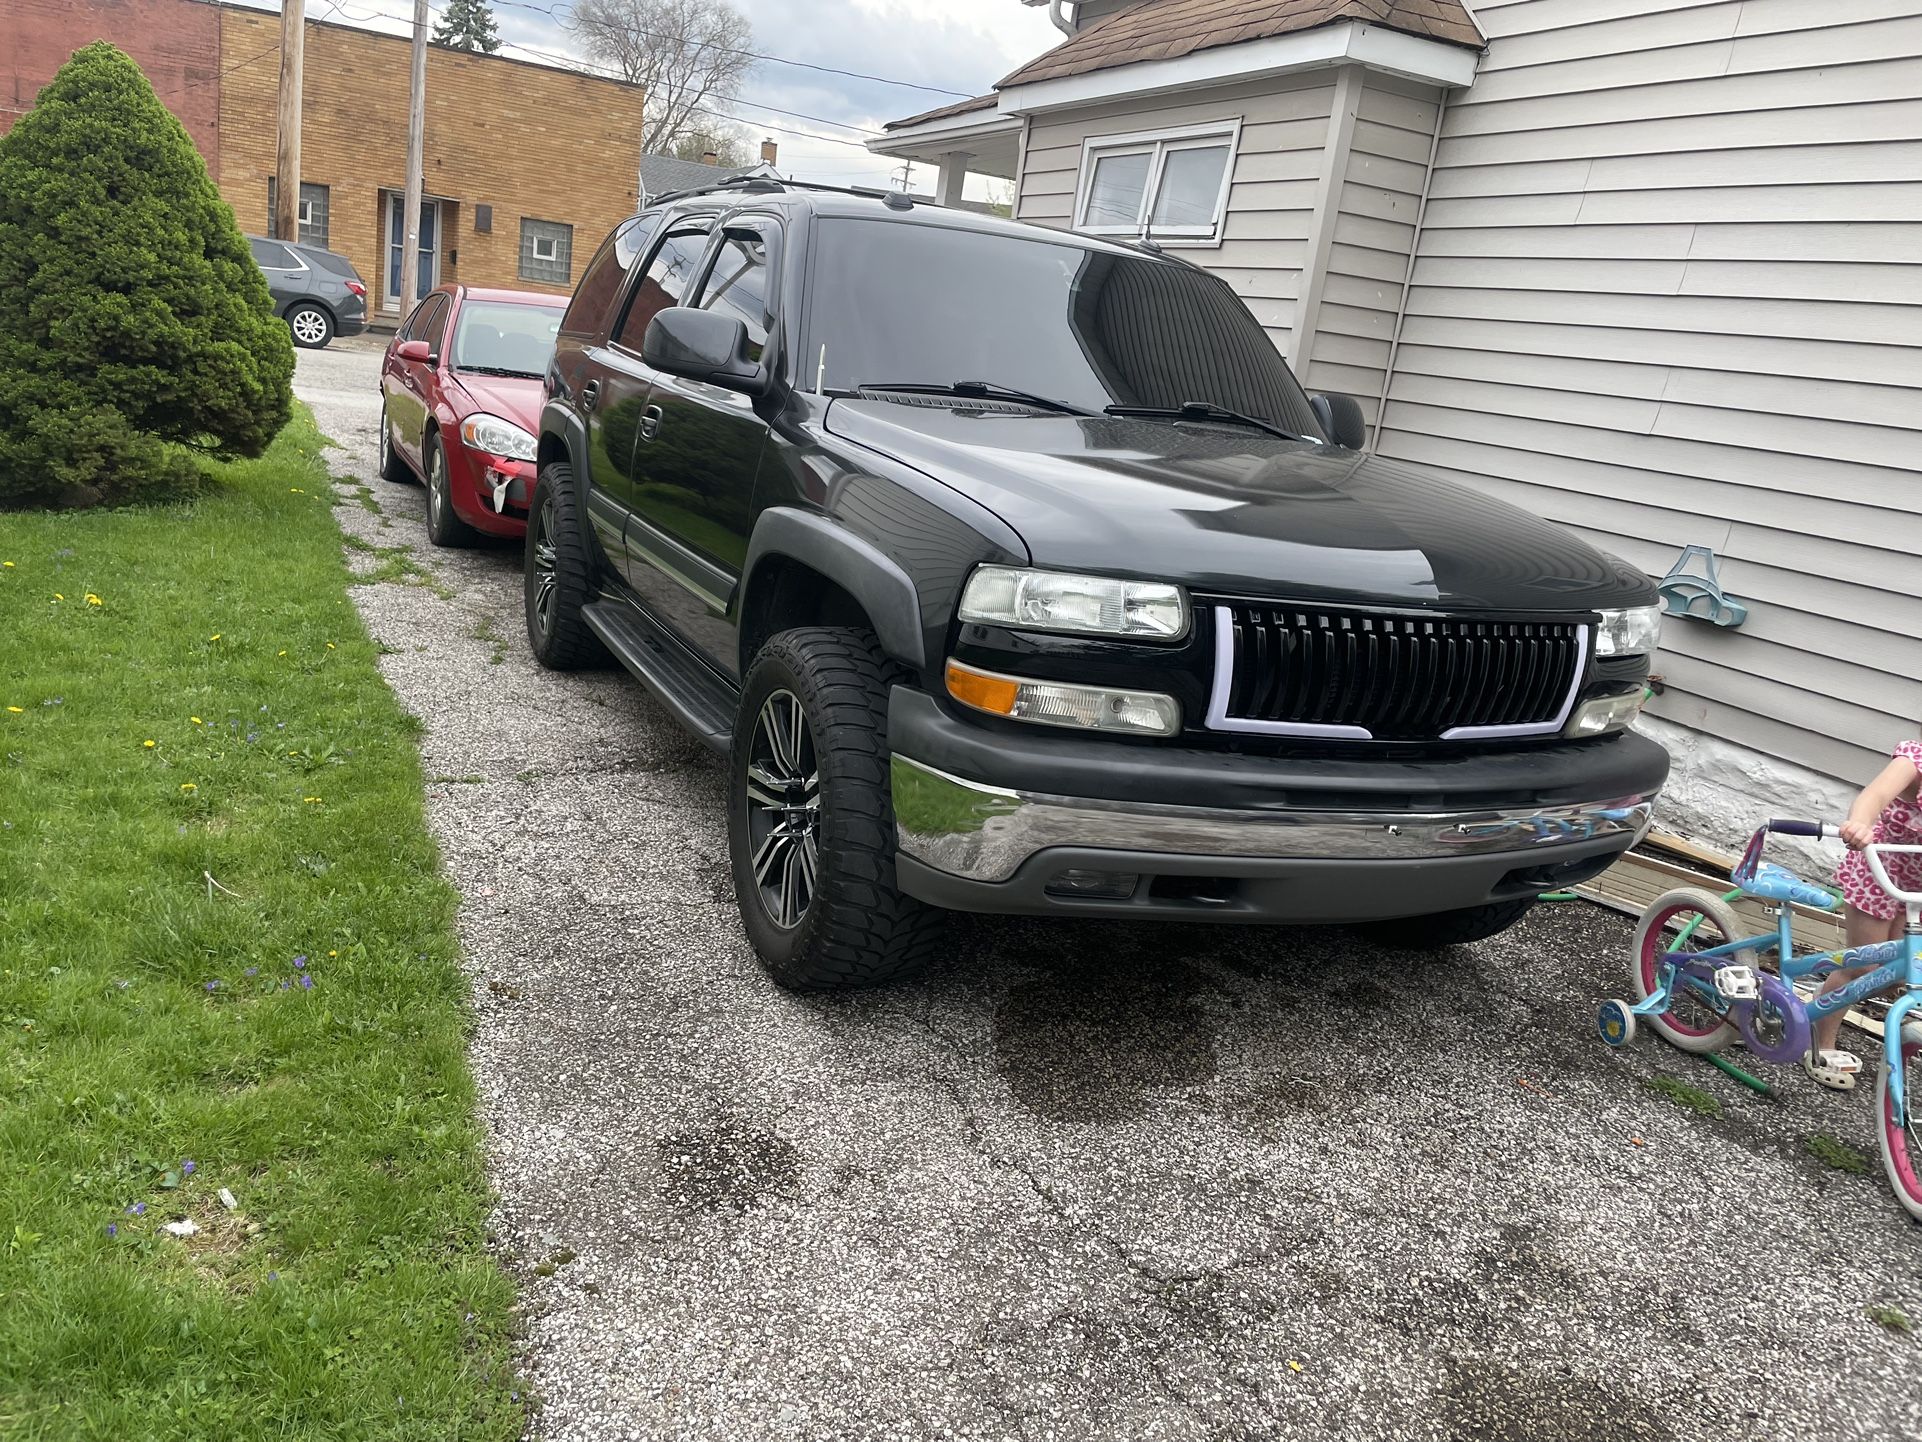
{"type": "Point", "coordinates": [774, 185]}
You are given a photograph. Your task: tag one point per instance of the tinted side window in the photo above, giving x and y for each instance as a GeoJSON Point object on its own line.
{"type": "Point", "coordinates": [738, 284]}
{"type": "Point", "coordinates": [606, 276]}
{"type": "Point", "coordinates": [667, 280]}
{"type": "Point", "coordinates": [433, 325]}
{"type": "Point", "coordinates": [272, 256]}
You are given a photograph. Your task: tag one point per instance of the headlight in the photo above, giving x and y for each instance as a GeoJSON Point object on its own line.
{"type": "Point", "coordinates": [1094, 605]}
{"type": "Point", "coordinates": [1629, 633]}
{"type": "Point", "coordinates": [1603, 715]}
{"type": "Point", "coordinates": [497, 437]}
{"type": "Point", "coordinates": [1055, 703]}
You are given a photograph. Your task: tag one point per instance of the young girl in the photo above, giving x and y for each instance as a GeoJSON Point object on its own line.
{"type": "Point", "coordinates": [1888, 812]}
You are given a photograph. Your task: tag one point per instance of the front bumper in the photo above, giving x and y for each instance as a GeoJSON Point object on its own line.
{"type": "Point", "coordinates": [1208, 835]}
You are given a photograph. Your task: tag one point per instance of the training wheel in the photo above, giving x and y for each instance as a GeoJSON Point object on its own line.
{"type": "Point", "coordinates": [1616, 1022]}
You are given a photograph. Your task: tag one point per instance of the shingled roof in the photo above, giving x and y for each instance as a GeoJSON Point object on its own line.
{"type": "Point", "coordinates": [1169, 29]}
{"type": "Point", "coordinates": [944, 112]}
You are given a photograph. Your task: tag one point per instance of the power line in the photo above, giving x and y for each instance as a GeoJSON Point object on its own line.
{"type": "Point", "coordinates": [554, 11]}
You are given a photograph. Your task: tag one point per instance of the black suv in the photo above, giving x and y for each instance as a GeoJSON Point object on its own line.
{"type": "Point", "coordinates": [1013, 571]}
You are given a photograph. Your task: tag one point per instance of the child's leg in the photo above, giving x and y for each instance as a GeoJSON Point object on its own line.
{"type": "Point", "coordinates": [1863, 930]}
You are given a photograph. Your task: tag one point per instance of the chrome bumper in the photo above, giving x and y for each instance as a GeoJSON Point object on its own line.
{"type": "Point", "coordinates": [985, 833]}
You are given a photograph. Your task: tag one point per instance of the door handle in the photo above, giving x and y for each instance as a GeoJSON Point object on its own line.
{"type": "Point", "coordinates": [651, 419]}
{"type": "Point", "coordinates": [590, 395]}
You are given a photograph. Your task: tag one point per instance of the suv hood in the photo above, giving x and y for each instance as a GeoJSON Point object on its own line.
{"type": "Point", "coordinates": [1234, 511]}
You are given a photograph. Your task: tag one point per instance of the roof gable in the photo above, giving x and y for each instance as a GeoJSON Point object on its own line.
{"type": "Point", "coordinates": [1170, 29]}
{"type": "Point", "coordinates": [664, 174]}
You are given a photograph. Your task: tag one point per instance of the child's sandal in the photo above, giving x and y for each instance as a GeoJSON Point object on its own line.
{"type": "Point", "coordinates": [1833, 1069]}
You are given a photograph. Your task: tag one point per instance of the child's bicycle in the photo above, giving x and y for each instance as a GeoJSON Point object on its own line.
{"type": "Point", "coordinates": [1696, 983]}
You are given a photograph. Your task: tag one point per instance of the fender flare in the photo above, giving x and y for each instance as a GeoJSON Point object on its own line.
{"type": "Point", "coordinates": [563, 422]}
{"type": "Point", "coordinates": [881, 587]}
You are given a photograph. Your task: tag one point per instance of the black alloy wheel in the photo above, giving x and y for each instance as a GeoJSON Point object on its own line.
{"type": "Point", "coordinates": [784, 809]}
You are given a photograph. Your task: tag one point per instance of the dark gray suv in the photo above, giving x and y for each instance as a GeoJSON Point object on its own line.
{"type": "Point", "coordinates": [317, 292]}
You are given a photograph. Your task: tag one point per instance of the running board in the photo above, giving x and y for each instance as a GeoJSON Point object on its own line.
{"type": "Point", "coordinates": [679, 679]}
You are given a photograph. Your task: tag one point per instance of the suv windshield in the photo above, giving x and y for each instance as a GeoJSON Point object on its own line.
{"type": "Point", "coordinates": [899, 303]}
{"type": "Point", "coordinates": [496, 336]}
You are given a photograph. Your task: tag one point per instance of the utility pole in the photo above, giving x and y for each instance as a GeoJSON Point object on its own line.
{"type": "Point", "coordinates": [416, 145]}
{"type": "Point", "coordinates": [293, 37]}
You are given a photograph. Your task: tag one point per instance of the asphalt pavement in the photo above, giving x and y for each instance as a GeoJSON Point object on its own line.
{"type": "Point", "coordinates": [1083, 1181]}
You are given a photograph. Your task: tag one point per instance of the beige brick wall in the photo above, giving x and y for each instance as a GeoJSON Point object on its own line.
{"type": "Point", "coordinates": [529, 140]}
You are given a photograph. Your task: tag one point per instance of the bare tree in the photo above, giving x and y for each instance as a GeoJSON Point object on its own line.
{"type": "Point", "coordinates": [729, 146]}
{"type": "Point", "coordinates": [686, 54]}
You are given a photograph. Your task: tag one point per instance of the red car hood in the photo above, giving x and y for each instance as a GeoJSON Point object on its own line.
{"type": "Point", "coordinates": [512, 398]}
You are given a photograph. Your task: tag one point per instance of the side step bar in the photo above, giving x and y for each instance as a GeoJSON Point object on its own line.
{"type": "Point", "coordinates": [683, 683]}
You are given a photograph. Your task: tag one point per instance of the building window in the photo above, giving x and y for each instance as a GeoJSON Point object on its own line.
{"type": "Point", "coordinates": [547, 251]}
{"type": "Point", "coordinates": [313, 211]}
{"type": "Point", "coordinates": [1169, 185]}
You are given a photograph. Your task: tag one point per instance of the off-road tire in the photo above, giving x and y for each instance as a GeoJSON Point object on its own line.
{"type": "Point", "coordinates": [445, 528]}
{"type": "Point", "coordinates": [859, 929]}
{"type": "Point", "coordinates": [561, 640]}
{"type": "Point", "coordinates": [387, 460]}
{"type": "Point", "coordinates": [1448, 928]}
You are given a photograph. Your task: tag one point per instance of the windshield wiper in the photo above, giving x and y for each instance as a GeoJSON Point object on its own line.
{"type": "Point", "coordinates": [976, 390]}
{"type": "Point", "coordinates": [1199, 411]}
{"type": "Point", "coordinates": [499, 371]}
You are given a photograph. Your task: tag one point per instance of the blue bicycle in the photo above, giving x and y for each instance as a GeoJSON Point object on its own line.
{"type": "Point", "coordinates": [1697, 983]}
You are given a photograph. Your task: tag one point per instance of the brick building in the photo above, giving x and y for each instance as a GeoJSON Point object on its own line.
{"type": "Point", "coordinates": [527, 167]}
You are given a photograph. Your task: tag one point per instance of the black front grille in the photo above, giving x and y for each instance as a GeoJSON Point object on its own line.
{"type": "Point", "coordinates": [1397, 677]}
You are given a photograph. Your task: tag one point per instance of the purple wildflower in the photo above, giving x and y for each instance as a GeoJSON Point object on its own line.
{"type": "Point", "coordinates": [273, 1276]}
{"type": "Point", "coordinates": [300, 962]}
{"type": "Point", "coordinates": [306, 982]}
{"type": "Point", "coordinates": [251, 971]}
{"type": "Point", "coordinates": [187, 1167]}
{"type": "Point", "coordinates": [283, 986]}
{"type": "Point", "coordinates": [112, 1230]}
{"type": "Point", "coordinates": [213, 986]}
{"type": "Point", "coordinates": [138, 1209]}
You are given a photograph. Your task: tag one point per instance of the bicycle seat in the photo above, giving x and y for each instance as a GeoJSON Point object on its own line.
{"type": "Point", "coordinates": [1770, 882]}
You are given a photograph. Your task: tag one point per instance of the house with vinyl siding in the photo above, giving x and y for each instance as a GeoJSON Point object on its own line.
{"type": "Point", "coordinates": [1649, 268]}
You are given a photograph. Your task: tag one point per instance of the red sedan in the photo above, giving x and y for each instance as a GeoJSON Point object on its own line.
{"type": "Point", "coordinates": [460, 401]}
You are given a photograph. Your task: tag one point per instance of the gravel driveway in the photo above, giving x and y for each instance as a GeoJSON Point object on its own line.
{"type": "Point", "coordinates": [1083, 1181]}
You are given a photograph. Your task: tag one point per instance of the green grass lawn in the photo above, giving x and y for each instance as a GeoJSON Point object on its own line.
{"type": "Point", "coordinates": [185, 694]}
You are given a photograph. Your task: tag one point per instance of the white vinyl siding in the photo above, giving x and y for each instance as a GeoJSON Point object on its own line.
{"type": "Point", "coordinates": [1669, 290]}
{"type": "Point", "coordinates": [1271, 197]}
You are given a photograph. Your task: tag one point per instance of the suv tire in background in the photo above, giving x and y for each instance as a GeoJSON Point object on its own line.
{"type": "Point", "coordinates": [558, 576]}
{"type": "Point", "coordinates": [312, 327]}
{"type": "Point", "coordinates": [810, 820]}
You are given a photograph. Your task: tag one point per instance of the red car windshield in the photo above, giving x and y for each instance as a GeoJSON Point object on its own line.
{"type": "Point", "coordinates": [497, 338]}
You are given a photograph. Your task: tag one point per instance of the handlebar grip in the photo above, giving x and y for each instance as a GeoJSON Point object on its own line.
{"type": "Point", "coordinates": [1798, 828]}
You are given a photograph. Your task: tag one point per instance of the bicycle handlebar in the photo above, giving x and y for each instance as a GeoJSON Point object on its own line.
{"type": "Point", "coordinates": [1874, 857]}
{"type": "Point", "coordinates": [1819, 830]}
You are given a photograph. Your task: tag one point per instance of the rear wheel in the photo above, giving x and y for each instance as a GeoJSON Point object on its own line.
{"type": "Point", "coordinates": [1902, 1145]}
{"type": "Point", "coordinates": [811, 817]}
{"type": "Point", "coordinates": [311, 325]}
{"type": "Point", "coordinates": [1448, 928]}
{"type": "Point", "coordinates": [444, 525]}
{"type": "Point", "coordinates": [558, 577]}
{"type": "Point", "coordinates": [1685, 921]}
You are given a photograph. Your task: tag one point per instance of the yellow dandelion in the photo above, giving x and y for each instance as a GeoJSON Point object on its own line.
{"type": "Point", "coordinates": [18, 710]}
{"type": "Point", "coordinates": [93, 600]}
{"type": "Point", "coordinates": [188, 787]}
{"type": "Point", "coordinates": [1294, 1366]}
{"type": "Point", "coordinates": [58, 597]}
{"type": "Point", "coordinates": [214, 637]}
{"type": "Point", "coordinates": [196, 720]}
{"type": "Point", "coordinates": [333, 953]}
{"type": "Point", "coordinates": [311, 800]}
{"type": "Point", "coordinates": [283, 653]}
{"type": "Point", "coordinates": [297, 490]}
{"type": "Point", "coordinates": [148, 744]}
{"type": "Point", "coordinates": [7, 565]}
{"type": "Point", "coordinates": [330, 645]}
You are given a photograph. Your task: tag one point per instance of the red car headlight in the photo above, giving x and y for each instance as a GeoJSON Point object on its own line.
{"type": "Point", "coordinates": [497, 437]}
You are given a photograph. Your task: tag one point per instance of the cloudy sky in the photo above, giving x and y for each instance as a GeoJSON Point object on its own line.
{"type": "Point", "coordinates": [952, 47]}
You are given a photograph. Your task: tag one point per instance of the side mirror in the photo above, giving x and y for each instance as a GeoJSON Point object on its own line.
{"type": "Point", "coordinates": [415, 350]}
{"type": "Point", "coordinates": [1341, 421]}
{"type": "Point", "coordinates": [702, 345]}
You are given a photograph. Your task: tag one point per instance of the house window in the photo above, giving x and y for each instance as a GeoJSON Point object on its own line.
{"type": "Point", "coordinates": [547, 251]}
{"type": "Point", "coordinates": [312, 211]}
{"type": "Point", "coordinates": [1167, 186]}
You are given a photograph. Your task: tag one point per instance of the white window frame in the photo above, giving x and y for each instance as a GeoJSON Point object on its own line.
{"type": "Point", "coordinates": [304, 212]}
{"type": "Point", "coordinates": [1157, 144]}
{"type": "Point", "coordinates": [551, 254]}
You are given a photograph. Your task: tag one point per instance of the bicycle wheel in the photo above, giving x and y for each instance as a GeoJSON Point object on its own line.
{"type": "Point", "coordinates": [1902, 1146]}
{"type": "Point", "coordinates": [1689, 1021]}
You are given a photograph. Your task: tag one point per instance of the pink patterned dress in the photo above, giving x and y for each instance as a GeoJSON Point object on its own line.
{"type": "Point", "coordinates": [1900, 825]}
